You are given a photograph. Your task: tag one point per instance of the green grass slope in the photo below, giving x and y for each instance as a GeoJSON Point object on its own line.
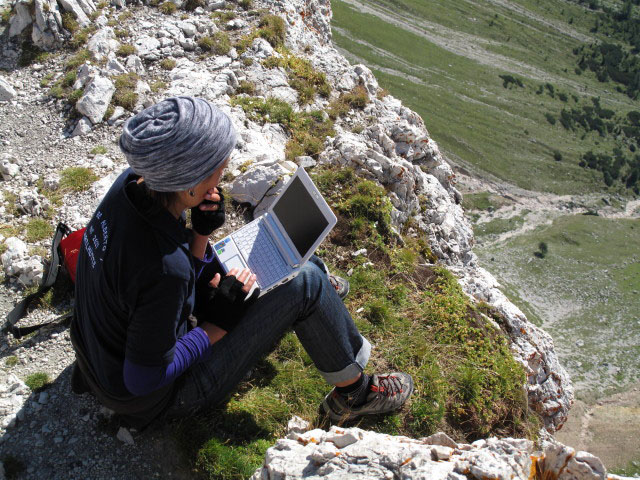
{"type": "Point", "coordinates": [417, 319]}
{"type": "Point", "coordinates": [444, 60]}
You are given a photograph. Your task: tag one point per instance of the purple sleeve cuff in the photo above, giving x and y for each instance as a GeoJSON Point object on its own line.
{"type": "Point", "coordinates": [200, 264]}
{"type": "Point", "coordinates": [191, 348]}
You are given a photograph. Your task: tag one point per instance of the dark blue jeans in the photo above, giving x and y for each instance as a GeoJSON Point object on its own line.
{"type": "Point", "coordinates": [310, 305]}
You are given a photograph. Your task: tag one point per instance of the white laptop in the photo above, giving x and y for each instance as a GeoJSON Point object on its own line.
{"type": "Point", "coordinates": [277, 244]}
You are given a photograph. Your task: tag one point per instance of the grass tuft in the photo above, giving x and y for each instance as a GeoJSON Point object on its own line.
{"type": "Point", "coordinates": [218, 43]}
{"type": "Point", "coordinates": [37, 381]}
{"type": "Point", "coordinates": [76, 179]}
{"type": "Point", "coordinates": [167, 64]}
{"type": "Point", "coordinates": [355, 99]}
{"type": "Point", "coordinates": [125, 95]}
{"type": "Point", "coordinates": [125, 50]}
{"type": "Point", "coordinates": [38, 229]}
{"type": "Point", "coordinates": [168, 8]}
{"type": "Point", "coordinates": [11, 361]}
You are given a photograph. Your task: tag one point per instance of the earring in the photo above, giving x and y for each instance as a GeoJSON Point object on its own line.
{"type": "Point", "coordinates": [192, 193]}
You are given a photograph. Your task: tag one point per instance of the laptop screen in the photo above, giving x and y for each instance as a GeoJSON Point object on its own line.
{"type": "Point", "coordinates": [300, 216]}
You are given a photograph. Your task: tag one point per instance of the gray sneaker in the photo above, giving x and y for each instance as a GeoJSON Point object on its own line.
{"type": "Point", "coordinates": [388, 393]}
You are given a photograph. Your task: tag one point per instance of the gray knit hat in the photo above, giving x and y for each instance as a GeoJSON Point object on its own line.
{"type": "Point", "coordinates": [177, 143]}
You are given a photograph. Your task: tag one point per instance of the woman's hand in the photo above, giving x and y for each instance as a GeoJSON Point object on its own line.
{"type": "Point", "coordinates": [209, 214]}
{"type": "Point", "coordinates": [224, 300]}
{"type": "Point", "coordinates": [247, 278]}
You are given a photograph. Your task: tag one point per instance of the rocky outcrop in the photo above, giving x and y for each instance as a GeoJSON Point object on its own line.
{"type": "Point", "coordinates": [354, 453]}
{"type": "Point", "coordinates": [397, 151]}
{"type": "Point", "coordinates": [45, 17]}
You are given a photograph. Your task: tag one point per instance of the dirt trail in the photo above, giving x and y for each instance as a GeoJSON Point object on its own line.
{"type": "Point", "coordinates": [608, 429]}
{"type": "Point", "coordinates": [539, 208]}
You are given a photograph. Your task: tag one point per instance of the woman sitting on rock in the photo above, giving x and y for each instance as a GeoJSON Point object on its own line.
{"type": "Point", "coordinates": [142, 276]}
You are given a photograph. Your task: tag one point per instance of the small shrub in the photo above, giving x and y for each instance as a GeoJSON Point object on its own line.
{"type": "Point", "coordinates": [11, 361]}
{"type": "Point", "coordinates": [223, 16]}
{"type": "Point", "coordinates": [191, 5]}
{"type": "Point", "coordinates": [543, 249]}
{"type": "Point", "coordinates": [77, 179]}
{"type": "Point", "coordinates": [37, 381]}
{"type": "Point", "coordinates": [246, 87]}
{"type": "Point", "coordinates": [218, 43]}
{"type": "Point", "coordinates": [74, 96]}
{"type": "Point", "coordinates": [69, 79]}
{"type": "Point", "coordinates": [246, 4]}
{"type": "Point", "coordinates": [168, 64]}
{"type": "Point", "coordinates": [550, 118]}
{"type": "Point", "coordinates": [247, 61]}
{"type": "Point", "coordinates": [273, 30]}
{"type": "Point", "coordinates": [69, 22]}
{"type": "Point", "coordinates": [56, 92]}
{"type": "Point", "coordinates": [355, 99]}
{"type": "Point", "coordinates": [125, 95]}
{"type": "Point", "coordinates": [557, 156]}
{"type": "Point", "coordinates": [125, 50]}
{"type": "Point", "coordinates": [168, 8]}
{"type": "Point", "coordinates": [122, 33]}
{"type": "Point", "coordinates": [38, 229]}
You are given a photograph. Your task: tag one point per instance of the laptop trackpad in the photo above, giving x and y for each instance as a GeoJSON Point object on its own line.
{"type": "Point", "coordinates": [234, 262]}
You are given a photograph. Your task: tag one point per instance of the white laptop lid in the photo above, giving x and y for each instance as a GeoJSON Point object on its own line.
{"type": "Point", "coordinates": [302, 215]}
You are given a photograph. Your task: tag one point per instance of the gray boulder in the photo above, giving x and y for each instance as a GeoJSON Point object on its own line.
{"type": "Point", "coordinates": [7, 92]}
{"type": "Point", "coordinates": [20, 19]}
{"type": "Point", "coordinates": [102, 43]}
{"type": "Point", "coordinates": [95, 99]}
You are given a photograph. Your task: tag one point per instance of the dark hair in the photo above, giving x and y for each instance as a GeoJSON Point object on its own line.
{"type": "Point", "coordinates": [165, 199]}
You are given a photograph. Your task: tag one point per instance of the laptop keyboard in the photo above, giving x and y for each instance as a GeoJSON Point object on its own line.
{"type": "Point", "coordinates": [263, 257]}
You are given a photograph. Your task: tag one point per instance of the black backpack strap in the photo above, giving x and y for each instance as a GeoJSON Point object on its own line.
{"type": "Point", "coordinates": [21, 308]}
{"type": "Point", "coordinates": [19, 332]}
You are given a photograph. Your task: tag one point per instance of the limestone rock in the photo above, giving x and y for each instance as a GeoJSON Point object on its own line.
{"type": "Point", "coordinates": [95, 99]}
{"type": "Point", "coordinates": [355, 453]}
{"type": "Point", "coordinates": [47, 30]}
{"type": "Point", "coordinates": [147, 47]}
{"type": "Point", "coordinates": [73, 7]}
{"type": "Point", "coordinates": [261, 184]}
{"type": "Point", "coordinates": [9, 169]}
{"type": "Point", "coordinates": [102, 43]}
{"type": "Point", "coordinates": [82, 127]}
{"type": "Point", "coordinates": [21, 18]}
{"type": "Point", "coordinates": [7, 92]}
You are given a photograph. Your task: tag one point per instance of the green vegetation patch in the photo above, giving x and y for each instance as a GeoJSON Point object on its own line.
{"type": "Point", "coordinates": [38, 229]}
{"type": "Point", "coordinates": [76, 179]}
{"type": "Point", "coordinates": [307, 129]}
{"type": "Point", "coordinates": [168, 8]}
{"type": "Point", "coordinates": [303, 78]}
{"type": "Point", "coordinates": [483, 201]}
{"type": "Point", "coordinates": [420, 321]}
{"type": "Point", "coordinates": [167, 63]}
{"type": "Point", "coordinates": [125, 95]}
{"type": "Point", "coordinates": [271, 27]}
{"type": "Point", "coordinates": [218, 43]}
{"type": "Point", "coordinates": [11, 361]}
{"type": "Point", "coordinates": [355, 99]}
{"type": "Point", "coordinates": [37, 381]}
{"type": "Point", "coordinates": [125, 50]}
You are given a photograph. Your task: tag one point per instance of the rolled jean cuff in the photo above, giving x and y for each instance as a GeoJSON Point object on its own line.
{"type": "Point", "coordinates": [352, 370]}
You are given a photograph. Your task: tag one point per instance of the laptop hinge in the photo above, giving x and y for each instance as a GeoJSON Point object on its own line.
{"type": "Point", "coordinates": [282, 242]}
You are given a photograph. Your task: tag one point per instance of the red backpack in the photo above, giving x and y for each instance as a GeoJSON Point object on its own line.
{"type": "Point", "coordinates": [66, 247]}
